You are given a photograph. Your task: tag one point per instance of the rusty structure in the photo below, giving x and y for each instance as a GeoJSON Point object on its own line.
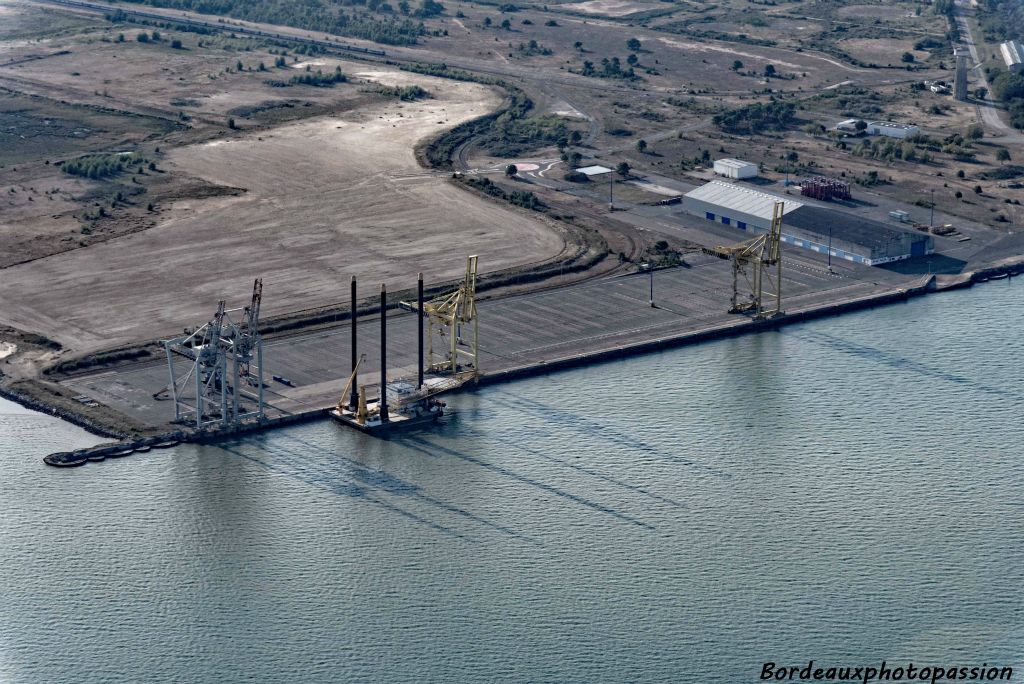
{"type": "Point", "coordinates": [827, 189]}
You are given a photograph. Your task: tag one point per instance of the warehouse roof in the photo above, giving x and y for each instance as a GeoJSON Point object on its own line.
{"type": "Point", "coordinates": [734, 163]}
{"type": "Point", "coordinates": [593, 170]}
{"type": "Point", "coordinates": [739, 198]}
{"type": "Point", "coordinates": [891, 124]}
{"type": "Point", "coordinates": [1013, 52]}
{"type": "Point", "coordinates": [857, 229]}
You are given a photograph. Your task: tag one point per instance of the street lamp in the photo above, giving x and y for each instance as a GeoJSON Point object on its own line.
{"type": "Point", "coordinates": [830, 248]}
{"type": "Point", "coordinates": [931, 220]}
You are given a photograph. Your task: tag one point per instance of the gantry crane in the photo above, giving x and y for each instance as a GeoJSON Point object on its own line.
{"type": "Point", "coordinates": [446, 315]}
{"type": "Point", "coordinates": [752, 260]}
{"type": "Point", "coordinates": [222, 353]}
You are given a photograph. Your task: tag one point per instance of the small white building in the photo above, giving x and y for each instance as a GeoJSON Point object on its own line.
{"type": "Point", "coordinates": [849, 125]}
{"type": "Point", "coordinates": [1013, 55]}
{"type": "Point", "coordinates": [735, 168]}
{"type": "Point", "coordinates": [892, 129]}
{"type": "Point", "coordinates": [593, 170]}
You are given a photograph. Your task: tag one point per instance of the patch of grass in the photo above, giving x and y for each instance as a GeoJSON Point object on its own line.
{"type": "Point", "coordinates": [757, 117]}
{"type": "Point", "coordinates": [409, 93]}
{"type": "Point", "coordinates": [1002, 173]}
{"type": "Point", "coordinates": [521, 198]}
{"type": "Point", "coordinates": [99, 166]}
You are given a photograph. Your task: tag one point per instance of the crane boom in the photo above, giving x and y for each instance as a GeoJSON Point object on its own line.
{"type": "Point", "coordinates": [348, 384]}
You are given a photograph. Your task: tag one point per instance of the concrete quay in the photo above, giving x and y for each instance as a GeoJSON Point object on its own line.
{"type": "Point", "coordinates": [527, 333]}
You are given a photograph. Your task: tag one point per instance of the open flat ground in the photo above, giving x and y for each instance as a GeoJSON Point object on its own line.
{"type": "Point", "coordinates": [317, 184]}
{"type": "Point", "coordinates": [324, 199]}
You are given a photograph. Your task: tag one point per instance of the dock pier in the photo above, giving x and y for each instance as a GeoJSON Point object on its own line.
{"type": "Point", "coordinates": [523, 335]}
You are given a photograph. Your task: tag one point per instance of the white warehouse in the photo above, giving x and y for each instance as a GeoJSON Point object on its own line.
{"type": "Point", "coordinates": [850, 237]}
{"type": "Point", "coordinates": [1013, 55]}
{"type": "Point", "coordinates": [892, 129]}
{"type": "Point", "coordinates": [735, 168]}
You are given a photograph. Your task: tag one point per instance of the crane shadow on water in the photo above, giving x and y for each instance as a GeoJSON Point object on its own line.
{"type": "Point", "coordinates": [595, 429]}
{"type": "Point", "coordinates": [574, 466]}
{"type": "Point", "coordinates": [393, 484]}
{"type": "Point", "coordinates": [329, 470]}
{"type": "Point", "coordinates": [897, 362]}
{"type": "Point", "coordinates": [284, 463]}
{"type": "Point", "coordinates": [432, 449]}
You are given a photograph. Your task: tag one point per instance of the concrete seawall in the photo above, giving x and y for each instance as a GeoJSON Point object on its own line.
{"type": "Point", "coordinates": [740, 327]}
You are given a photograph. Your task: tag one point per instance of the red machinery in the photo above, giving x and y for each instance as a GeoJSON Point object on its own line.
{"type": "Point", "coordinates": [822, 188]}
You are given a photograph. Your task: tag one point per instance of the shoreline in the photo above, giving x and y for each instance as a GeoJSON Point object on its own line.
{"type": "Point", "coordinates": [926, 285]}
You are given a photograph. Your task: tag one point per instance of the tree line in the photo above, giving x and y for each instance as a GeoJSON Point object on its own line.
{"type": "Point", "coordinates": [398, 28]}
{"type": "Point", "coordinates": [99, 166]}
{"type": "Point", "coordinates": [757, 117]}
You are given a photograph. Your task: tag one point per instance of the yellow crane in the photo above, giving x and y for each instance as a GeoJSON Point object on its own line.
{"type": "Point", "coordinates": [348, 385]}
{"type": "Point", "coordinates": [753, 259]}
{"type": "Point", "coordinates": [446, 315]}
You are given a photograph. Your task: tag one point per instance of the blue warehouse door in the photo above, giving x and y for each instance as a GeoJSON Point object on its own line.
{"type": "Point", "coordinates": [917, 248]}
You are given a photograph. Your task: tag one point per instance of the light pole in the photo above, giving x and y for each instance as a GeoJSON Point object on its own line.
{"type": "Point", "coordinates": [931, 219]}
{"type": "Point", "coordinates": [830, 248]}
{"type": "Point", "coordinates": [652, 285]}
{"type": "Point", "coordinates": [611, 185]}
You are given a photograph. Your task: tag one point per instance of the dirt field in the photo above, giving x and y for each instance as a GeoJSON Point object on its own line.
{"type": "Point", "coordinates": [884, 51]}
{"type": "Point", "coordinates": [325, 199]}
{"type": "Point", "coordinates": [610, 8]}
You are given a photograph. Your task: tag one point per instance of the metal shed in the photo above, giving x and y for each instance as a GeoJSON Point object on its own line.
{"type": "Point", "coordinates": [735, 168]}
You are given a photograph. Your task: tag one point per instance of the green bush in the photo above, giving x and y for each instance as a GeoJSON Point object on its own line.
{"type": "Point", "coordinates": [98, 166]}
{"type": "Point", "coordinates": [405, 93]}
{"type": "Point", "coordinates": [757, 117]}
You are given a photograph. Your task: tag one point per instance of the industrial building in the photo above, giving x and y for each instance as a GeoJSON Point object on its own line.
{"type": "Point", "coordinates": [960, 81]}
{"type": "Point", "coordinates": [735, 168]}
{"type": "Point", "coordinates": [851, 237]}
{"type": "Point", "coordinates": [1013, 55]}
{"type": "Point", "coordinates": [892, 129]}
{"type": "Point", "coordinates": [887, 128]}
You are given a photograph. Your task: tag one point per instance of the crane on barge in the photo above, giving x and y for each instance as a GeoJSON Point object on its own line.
{"type": "Point", "coordinates": [445, 317]}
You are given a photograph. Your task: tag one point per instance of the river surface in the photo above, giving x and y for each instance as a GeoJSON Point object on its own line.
{"type": "Point", "coordinates": [848, 490]}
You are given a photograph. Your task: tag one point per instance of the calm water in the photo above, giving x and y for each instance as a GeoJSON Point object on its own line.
{"type": "Point", "coordinates": [848, 490]}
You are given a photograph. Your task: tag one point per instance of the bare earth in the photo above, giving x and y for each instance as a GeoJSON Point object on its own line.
{"type": "Point", "coordinates": [326, 198]}
{"type": "Point", "coordinates": [611, 8]}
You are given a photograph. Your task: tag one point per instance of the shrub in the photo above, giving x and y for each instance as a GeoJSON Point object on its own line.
{"type": "Point", "coordinates": [757, 117]}
{"type": "Point", "coordinates": [98, 166]}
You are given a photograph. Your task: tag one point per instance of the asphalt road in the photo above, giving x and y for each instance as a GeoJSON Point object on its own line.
{"type": "Point", "coordinates": [989, 109]}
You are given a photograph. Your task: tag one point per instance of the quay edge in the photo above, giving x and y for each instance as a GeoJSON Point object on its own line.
{"type": "Point", "coordinates": [926, 285]}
